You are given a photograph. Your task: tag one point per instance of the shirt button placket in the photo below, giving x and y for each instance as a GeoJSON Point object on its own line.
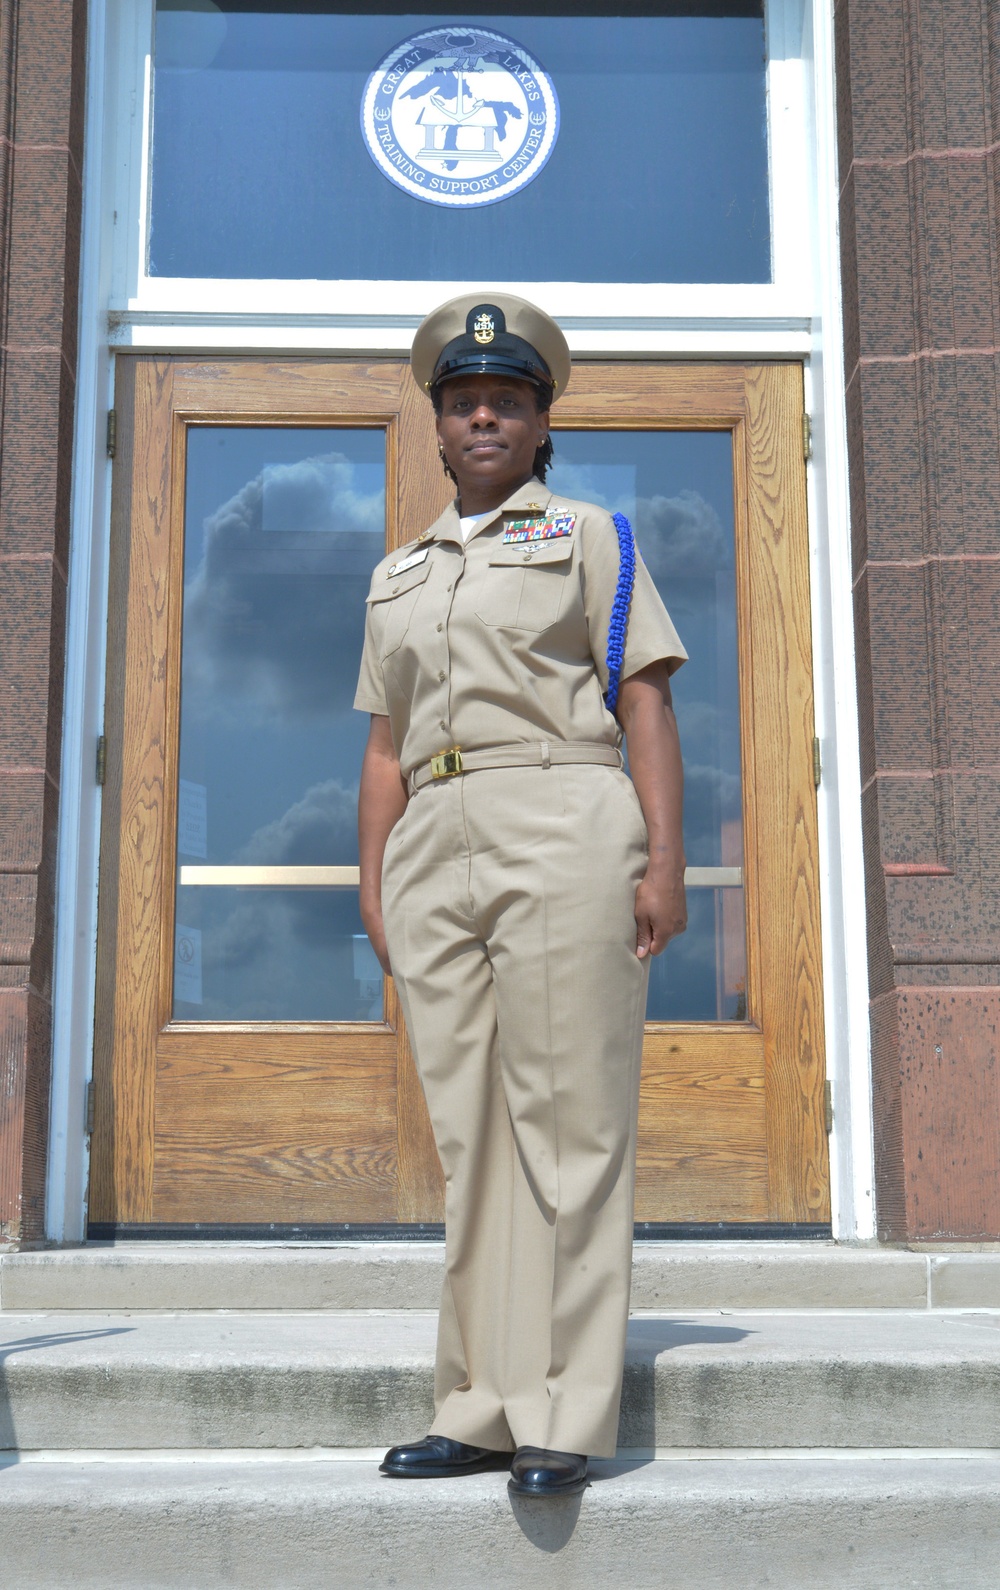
{"type": "Point", "coordinates": [442, 629]}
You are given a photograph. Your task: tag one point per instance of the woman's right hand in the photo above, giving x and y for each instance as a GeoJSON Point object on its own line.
{"type": "Point", "coordinates": [381, 803]}
{"type": "Point", "coordinates": [371, 921]}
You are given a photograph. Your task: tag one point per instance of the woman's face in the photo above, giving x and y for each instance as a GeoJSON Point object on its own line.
{"type": "Point", "coordinates": [490, 430]}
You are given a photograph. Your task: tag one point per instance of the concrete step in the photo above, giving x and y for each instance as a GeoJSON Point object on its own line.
{"type": "Point", "coordinates": [929, 1524]}
{"type": "Point", "coordinates": [850, 1379]}
{"type": "Point", "coordinates": [667, 1275]}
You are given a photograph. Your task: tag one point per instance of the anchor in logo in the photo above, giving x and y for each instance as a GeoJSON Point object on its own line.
{"type": "Point", "coordinates": [457, 125]}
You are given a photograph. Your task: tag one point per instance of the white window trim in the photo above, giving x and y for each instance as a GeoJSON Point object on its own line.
{"type": "Point", "coordinates": [843, 896]}
{"type": "Point", "coordinates": [797, 315]}
{"type": "Point", "coordinates": [349, 316]}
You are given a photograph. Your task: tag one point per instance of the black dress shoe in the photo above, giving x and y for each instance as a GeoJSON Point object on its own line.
{"type": "Point", "coordinates": [435, 1457]}
{"type": "Point", "coordinates": [536, 1472]}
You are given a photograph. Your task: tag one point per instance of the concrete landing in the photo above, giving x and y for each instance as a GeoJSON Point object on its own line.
{"type": "Point", "coordinates": [406, 1275]}
{"type": "Point", "coordinates": [829, 1525]}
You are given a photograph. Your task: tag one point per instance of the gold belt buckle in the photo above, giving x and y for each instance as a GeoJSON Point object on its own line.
{"type": "Point", "coordinates": [447, 763]}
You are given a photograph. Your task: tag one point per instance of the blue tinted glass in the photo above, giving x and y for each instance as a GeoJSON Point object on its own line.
{"type": "Point", "coordinates": [283, 526]}
{"type": "Point", "coordinates": [658, 172]}
{"type": "Point", "coordinates": [676, 487]}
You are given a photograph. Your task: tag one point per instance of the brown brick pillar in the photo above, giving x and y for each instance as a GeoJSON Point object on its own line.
{"type": "Point", "coordinates": [41, 136]}
{"type": "Point", "coordinates": [919, 105]}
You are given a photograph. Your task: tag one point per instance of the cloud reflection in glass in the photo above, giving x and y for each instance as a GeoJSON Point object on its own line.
{"type": "Point", "coordinates": [677, 489]}
{"type": "Point", "coordinates": [283, 527]}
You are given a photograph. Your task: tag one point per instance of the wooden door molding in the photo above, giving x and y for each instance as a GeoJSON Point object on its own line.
{"type": "Point", "coordinates": [731, 1124]}
{"type": "Point", "coordinates": [732, 1115]}
{"type": "Point", "coordinates": [171, 1095]}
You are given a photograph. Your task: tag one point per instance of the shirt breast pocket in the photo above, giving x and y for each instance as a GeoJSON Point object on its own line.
{"type": "Point", "coordinates": [392, 605]}
{"type": "Point", "coordinates": [526, 584]}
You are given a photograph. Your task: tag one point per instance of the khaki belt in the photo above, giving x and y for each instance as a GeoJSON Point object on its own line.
{"type": "Point", "coordinates": [535, 753]}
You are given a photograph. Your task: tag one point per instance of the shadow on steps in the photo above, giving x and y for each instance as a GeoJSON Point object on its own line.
{"type": "Point", "coordinates": [27, 1344]}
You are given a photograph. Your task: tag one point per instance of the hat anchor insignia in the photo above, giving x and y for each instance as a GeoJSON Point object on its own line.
{"type": "Point", "coordinates": [483, 328]}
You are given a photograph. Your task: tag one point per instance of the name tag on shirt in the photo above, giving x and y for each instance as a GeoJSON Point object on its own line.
{"type": "Point", "coordinates": [408, 563]}
{"type": "Point", "coordinates": [557, 524]}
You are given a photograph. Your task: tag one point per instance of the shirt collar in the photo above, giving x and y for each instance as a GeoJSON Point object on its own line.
{"type": "Point", "coordinates": [531, 495]}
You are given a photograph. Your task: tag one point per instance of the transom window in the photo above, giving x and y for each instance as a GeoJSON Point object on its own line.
{"type": "Point", "coordinates": [644, 160]}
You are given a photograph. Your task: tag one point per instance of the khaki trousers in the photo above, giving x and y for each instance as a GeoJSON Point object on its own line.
{"type": "Point", "coordinates": [508, 899]}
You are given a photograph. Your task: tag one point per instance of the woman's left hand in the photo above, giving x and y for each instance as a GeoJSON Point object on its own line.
{"type": "Point", "coordinates": [646, 713]}
{"type": "Point", "coordinates": [660, 911]}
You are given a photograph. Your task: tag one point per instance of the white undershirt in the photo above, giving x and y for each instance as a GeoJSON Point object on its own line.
{"type": "Point", "coordinates": [468, 524]}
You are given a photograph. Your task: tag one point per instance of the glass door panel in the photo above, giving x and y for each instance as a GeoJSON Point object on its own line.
{"type": "Point", "coordinates": [282, 527]}
{"type": "Point", "coordinates": [676, 488]}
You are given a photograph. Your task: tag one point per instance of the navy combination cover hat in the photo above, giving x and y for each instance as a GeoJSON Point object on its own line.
{"type": "Point", "coordinates": [501, 335]}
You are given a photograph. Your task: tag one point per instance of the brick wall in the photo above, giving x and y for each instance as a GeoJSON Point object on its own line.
{"type": "Point", "coordinates": [919, 106]}
{"type": "Point", "coordinates": [41, 126]}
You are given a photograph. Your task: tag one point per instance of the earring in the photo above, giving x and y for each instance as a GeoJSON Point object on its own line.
{"type": "Point", "coordinates": [440, 450]}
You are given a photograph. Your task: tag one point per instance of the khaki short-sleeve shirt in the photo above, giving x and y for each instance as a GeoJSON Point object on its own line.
{"type": "Point", "coordinates": [499, 640]}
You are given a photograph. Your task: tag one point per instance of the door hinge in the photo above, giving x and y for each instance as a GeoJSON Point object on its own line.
{"type": "Point", "coordinates": [807, 437]}
{"type": "Point", "coordinates": [817, 762]}
{"type": "Point", "coordinates": [88, 1109]}
{"type": "Point", "coordinates": [112, 433]}
{"type": "Point", "coordinates": [828, 1106]}
{"type": "Point", "coordinates": [101, 759]}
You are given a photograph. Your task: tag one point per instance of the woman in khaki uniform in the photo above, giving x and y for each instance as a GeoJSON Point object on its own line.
{"type": "Point", "coordinates": [515, 881]}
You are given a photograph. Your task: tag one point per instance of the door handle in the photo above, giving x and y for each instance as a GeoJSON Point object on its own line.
{"type": "Point", "coordinates": [271, 877]}
{"type": "Point", "coordinates": [350, 877]}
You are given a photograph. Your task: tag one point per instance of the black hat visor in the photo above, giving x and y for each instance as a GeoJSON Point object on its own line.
{"type": "Point", "coordinates": [506, 355]}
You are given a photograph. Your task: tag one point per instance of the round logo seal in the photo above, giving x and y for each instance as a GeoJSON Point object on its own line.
{"type": "Point", "coordinates": [460, 115]}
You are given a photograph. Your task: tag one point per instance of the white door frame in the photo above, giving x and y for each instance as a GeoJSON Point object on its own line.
{"type": "Point", "coordinates": [798, 315]}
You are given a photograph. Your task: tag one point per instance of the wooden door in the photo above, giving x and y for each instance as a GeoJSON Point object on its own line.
{"type": "Point", "coordinates": [277, 1096]}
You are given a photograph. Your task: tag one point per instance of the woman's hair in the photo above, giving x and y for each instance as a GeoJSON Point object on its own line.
{"type": "Point", "coordinates": [543, 454]}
